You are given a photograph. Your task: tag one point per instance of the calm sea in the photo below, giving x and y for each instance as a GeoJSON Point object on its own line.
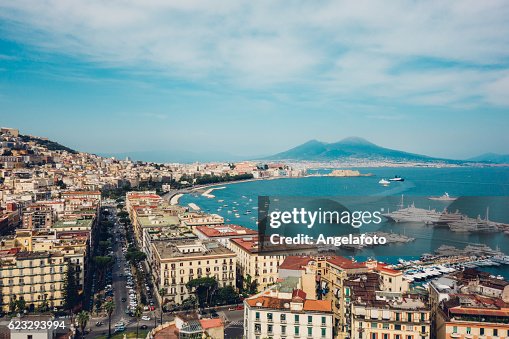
{"type": "Point", "coordinates": [490, 186]}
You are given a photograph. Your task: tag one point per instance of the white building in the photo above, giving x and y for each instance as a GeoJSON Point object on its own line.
{"type": "Point", "coordinates": [276, 313]}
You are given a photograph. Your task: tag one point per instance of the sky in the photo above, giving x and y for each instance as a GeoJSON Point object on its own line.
{"type": "Point", "coordinates": [257, 77]}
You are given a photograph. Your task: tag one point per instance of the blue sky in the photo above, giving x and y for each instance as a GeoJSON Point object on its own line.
{"type": "Point", "coordinates": [253, 78]}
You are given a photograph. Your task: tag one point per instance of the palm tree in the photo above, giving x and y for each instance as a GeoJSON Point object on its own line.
{"type": "Point", "coordinates": [83, 317]}
{"type": "Point", "coordinates": [162, 292]}
{"type": "Point", "coordinates": [138, 312]}
{"type": "Point", "coordinates": [109, 307]}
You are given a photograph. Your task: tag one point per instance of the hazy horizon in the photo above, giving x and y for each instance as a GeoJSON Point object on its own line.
{"type": "Point", "coordinates": [254, 79]}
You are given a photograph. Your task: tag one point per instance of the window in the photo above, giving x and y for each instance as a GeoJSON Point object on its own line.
{"type": "Point", "coordinates": [310, 331]}
{"type": "Point", "coordinates": [296, 330]}
{"type": "Point", "coordinates": [423, 317]}
{"type": "Point", "coordinates": [324, 332]}
{"type": "Point", "coordinates": [469, 330]}
{"type": "Point", "coordinates": [310, 319]}
{"type": "Point", "coordinates": [409, 316]}
{"type": "Point", "coordinates": [495, 332]}
{"type": "Point", "coordinates": [481, 331]}
{"type": "Point", "coordinates": [324, 321]}
{"type": "Point", "coordinates": [373, 335]}
{"type": "Point", "coordinates": [283, 317]}
{"type": "Point", "coordinates": [455, 329]}
{"type": "Point", "coordinates": [283, 329]}
{"type": "Point", "coordinates": [269, 317]}
{"type": "Point", "coordinates": [374, 325]}
{"type": "Point", "coordinates": [385, 326]}
{"type": "Point", "coordinates": [397, 317]}
{"type": "Point", "coordinates": [397, 336]}
{"type": "Point", "coordinates": [296, 318]}
{"type": "Point", "coordinates": [386, 336]}
{"type": "Point", "coordinates": [269, 329]}
{"type": "Point", "coordinates": [397, 328]}
{"type": "Point", "coordinates": [258, 328]}
{"type": "Point", "coordinates": [257, 315]}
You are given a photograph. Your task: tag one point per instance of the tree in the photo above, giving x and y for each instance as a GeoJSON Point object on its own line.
{"type": "Point", "coordinates": [109, 306]}
{"type": "Point", "coordinates": [71, 296]}
{"type": "Point", "coordinates": [226, 296]}
{"type": "Point", "coordinates": [138, 312]}
{"type": "Point", "coordinates": [162, 292]}
{"type": "Point", "coordinates": [83, 318]}
{"type": "Point", "coordinates": [101, 264]}
{"type": "Point", "coordinates": [20, 305]}
{"type": "Point", "coordinates": [203, 288]}
{"type": "Point", "coordinates": [134, 256]}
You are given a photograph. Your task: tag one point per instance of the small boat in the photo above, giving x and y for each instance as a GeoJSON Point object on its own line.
{"type": "Point", "coordinates": [397, 178]}
{"type": "Point", "coordinates": [444, 197]}
{"type": "Point", "coordinates": [384, 182]}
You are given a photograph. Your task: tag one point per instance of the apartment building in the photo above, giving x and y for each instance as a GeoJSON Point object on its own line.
{"type": "Point", "coordinates": [390, 315]}
{"type": "Point", "coordinates": [223, 233]}
{"type": "Point", "coordinates": [176, 262]}
{"type": "Point", "coordinates": [470, 316]}
{"type": "Point", "coordinates": [287, 313]}
{"type": "Point", "coordinates": [35, 277]}
{"type": "Point", "coordinates": [263, 269]}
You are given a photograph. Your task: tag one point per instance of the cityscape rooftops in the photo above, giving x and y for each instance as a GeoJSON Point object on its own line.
{"type": "Point", "coordinates": [188, 248]}
{"type": "Point", "coordinates": [227, 230]}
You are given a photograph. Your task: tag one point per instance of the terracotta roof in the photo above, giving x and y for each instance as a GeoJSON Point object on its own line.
{"type": "Point", "coordinates": [225, 230]}
{"type": "Point", "coordinates": [295, 262]}
{"type": "Point", "coordinates": [480, 311]}
{"type": "Point", "coordinates": [345, 263]}
{"type": "Point", "coordinates": [276, 303]}
{"type": "Point", "coordinates": [318, 305]}
{"type": "Point", "coordinates": [211, 323]}
{"type": "Point", "coordinates": [249, 243]}
{"type": "Point", "coordinates": [298, 294]}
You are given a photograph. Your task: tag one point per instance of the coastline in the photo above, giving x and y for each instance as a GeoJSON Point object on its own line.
{"type": "Point", "coordinates": [174, 200]}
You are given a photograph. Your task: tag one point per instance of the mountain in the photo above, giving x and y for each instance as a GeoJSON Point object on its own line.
{"type": "Point", "coordinates": [349, 148]}
{"type": "Point", "coordinates": [492, 157]}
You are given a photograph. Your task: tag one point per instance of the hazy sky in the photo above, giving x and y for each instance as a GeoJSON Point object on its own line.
{"type": "Point", "coordinates": [257, 77]}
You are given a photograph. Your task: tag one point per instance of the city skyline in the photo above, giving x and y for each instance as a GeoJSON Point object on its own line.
{"type": "Point", "coordinates": [256, 79]}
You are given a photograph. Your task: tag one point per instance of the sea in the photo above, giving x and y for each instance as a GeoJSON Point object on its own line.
{"type": "Point", "coordinates": [485, 190]}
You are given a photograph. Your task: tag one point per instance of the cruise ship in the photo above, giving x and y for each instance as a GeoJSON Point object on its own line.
{"type": "Point", "coordinates": [414, 214]}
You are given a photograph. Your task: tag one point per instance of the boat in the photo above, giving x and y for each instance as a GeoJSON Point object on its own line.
{"type": "Point", "coordinates": [397, 178]}
{"type": "Point", "coordinates": [384, 182]}
{"type": "Point", "coordinates": [444, 197]}
{"type": "Point", "coordinates": [413, 214]}
{"type": "Point", "coordinates": [471, 225]}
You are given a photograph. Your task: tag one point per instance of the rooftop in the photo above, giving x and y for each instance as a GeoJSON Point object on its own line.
{"type": "Point", "coordinates": [229, 230]}
{"type": "Point", "coordinates": [189, 248]}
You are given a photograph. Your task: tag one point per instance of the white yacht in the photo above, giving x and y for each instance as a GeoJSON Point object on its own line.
{"type": "Point", "coordinates": [384, 182]}
{"type": "Point", "coordinates": [444, 197]}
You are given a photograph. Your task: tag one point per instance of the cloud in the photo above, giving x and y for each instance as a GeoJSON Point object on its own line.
{"type": "Point", "coordinates": [334, 49]}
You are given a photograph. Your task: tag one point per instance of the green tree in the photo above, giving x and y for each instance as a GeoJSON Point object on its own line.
{"type": "Point", "coordinates": [83, 317]}
{"type": "Point", "coordinates": [203, 288]}
{"type": "Point", "coordinates": [162, 292]}
{"type": "Point", "coordinates": [20, 305]}
{"type": "Point", "coordinates": [71, 296]}
{"type": "Point", "coordinates": [109, 306]}
{"type": "Point", "coordinates": [226, 296]}
{"type": "Point", "coordinates": [101, 264]}
{"type": "Point", "coordinates": [134, 256]}
{"type": "Point", "coordinates": [138, 312]}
